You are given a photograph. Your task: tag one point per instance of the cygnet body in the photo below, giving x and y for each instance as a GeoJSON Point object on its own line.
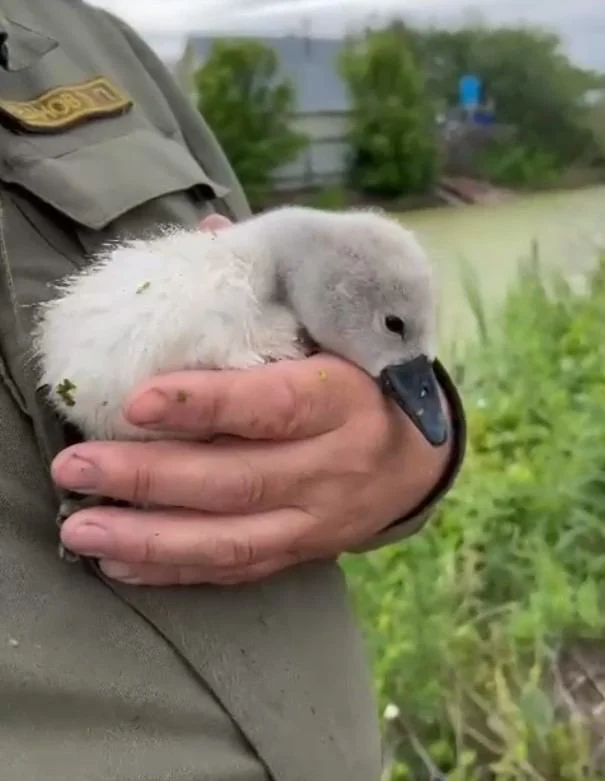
{"type": "Point", "coordinates": [358, 282]}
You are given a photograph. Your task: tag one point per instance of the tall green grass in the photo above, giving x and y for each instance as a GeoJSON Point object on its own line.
{"type": "Point", "coordinates": [466, 621]}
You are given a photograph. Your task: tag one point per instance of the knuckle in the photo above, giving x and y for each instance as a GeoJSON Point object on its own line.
{"type": "Point", "coordinates": [248, 489]}
{"type": "Point", "coordinates": [142, 484]}
{"type": "Point", "coordinates": [230, 553]}
{"type": "Point", "coordinates": [288, 410]}
{"type": "Point", "coordinates": [208, 413]}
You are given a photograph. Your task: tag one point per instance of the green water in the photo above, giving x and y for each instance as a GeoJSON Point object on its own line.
{"type": "Point", "coordinates": [568, 227]}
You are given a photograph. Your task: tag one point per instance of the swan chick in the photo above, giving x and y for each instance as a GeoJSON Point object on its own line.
{"type": "Point", "coordinates": [357, 282]}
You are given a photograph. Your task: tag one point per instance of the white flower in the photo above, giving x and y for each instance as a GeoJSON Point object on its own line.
{"type": "Point", "coordinates": [391, 712]}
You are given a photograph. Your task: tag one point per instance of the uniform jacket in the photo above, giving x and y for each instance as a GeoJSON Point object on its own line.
{"type": "Point", "coordinates": [102, 682]}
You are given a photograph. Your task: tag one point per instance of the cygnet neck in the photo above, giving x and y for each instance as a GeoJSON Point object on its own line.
{"type": "Point", "coordinates": [296, 238]}
{"type": "Point", "coordinates": [287, 241]}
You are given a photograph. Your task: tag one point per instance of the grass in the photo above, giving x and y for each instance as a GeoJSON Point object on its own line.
{"type": "Point", "coordinates": [467, 621]}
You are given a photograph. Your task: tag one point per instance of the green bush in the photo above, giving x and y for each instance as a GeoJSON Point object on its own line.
{"type": "Point", "coordinates": [536, 87]}
{"type": "Point", "coordinates": [466, 620]}
{"type": "Point", "coordinates": [392, 128]}
{"type": "Point", "coordinates": [332, 198]}
{"type": "Point", "coordinates": [248, 103]}
{"type": "Point", "coordinates": [515, 165]}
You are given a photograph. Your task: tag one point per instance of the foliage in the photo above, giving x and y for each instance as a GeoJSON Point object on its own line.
{"type": "Point", "coordinates": [400, 78]}
{"type": "Point", "coordinates": [392, 132]}
{"type": "Point", "coordinates": [466, 620]}
{"type": "Point", "coordinates": [514, 165]}
{"type": "Point", "coordinates": [248, 105]}
{"type": "Point", "coordinates": [329, 198]}
{"type": "Point", "coordinates": [594, 121]}
{"type": "Point", "coordinates": [534, 85]}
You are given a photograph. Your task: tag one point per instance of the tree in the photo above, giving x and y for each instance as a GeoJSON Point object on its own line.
{"type": "Point", "coordinates": [534, 85]}
{"type": "Point", "coordinates": [249, 108]}
{"type": "Point", "coordinates": [394, 150]}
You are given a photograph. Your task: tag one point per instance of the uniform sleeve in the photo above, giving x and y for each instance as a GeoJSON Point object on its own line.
{"type": "Point", "coordinates": [200, 139]}
{"type": "Point", "coordinates": [205, 148]}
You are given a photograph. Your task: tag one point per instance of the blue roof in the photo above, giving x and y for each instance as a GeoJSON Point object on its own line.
{"type": "Point", "coordinates": [310, 63]}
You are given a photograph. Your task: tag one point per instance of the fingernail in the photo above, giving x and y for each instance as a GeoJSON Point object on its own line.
{"type": "Point", "coordinates": [87, 539]}
{"type": "Point", "coordinates": [117, 570]}
{"type": "Point", "coordinates": [78, 473]}
{"type": "Point", "coordinates": [148, 409]}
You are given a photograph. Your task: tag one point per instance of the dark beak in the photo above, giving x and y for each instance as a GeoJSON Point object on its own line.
{"type": "Point", "coordinates": [413, 386]}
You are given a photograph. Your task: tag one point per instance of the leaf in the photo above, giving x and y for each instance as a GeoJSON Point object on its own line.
{"type": "Point", "coordinates": [588, 605]}
{"type": "Point", "coordinates": [538, 710]}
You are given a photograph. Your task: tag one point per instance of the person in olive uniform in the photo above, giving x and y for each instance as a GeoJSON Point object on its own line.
{"type": "Point", "coordinates": [105, 675]}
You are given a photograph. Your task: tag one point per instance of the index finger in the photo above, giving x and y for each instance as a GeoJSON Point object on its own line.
{"type": "Point", "coordinates": [285, 400]}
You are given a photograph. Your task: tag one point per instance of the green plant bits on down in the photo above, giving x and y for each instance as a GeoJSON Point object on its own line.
{"type": "Point", "coordinates": [143, 287]}
{"type": "Point", "coordinates": [65, 391]}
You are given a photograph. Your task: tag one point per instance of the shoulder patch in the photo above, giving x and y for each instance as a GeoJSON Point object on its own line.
{"type": "Point", "coordinates": [64, 107]}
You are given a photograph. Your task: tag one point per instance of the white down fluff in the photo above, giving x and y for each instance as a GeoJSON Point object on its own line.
{"type": "Point", "coordinates": [189, 299]}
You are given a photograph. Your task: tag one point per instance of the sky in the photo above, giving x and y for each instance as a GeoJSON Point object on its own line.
{"type": "Point", "coordinates": [165, 23]}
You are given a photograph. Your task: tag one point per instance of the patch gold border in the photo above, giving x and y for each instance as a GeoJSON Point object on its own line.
{"type": "Point", "coordinates": [64, 107]}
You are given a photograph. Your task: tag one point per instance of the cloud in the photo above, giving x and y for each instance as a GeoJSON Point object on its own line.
{"type": "Point", "coordinates": [165, 23]}
{"type": "Point", "coordinates": [178, 15]}
{"type": "Point", "coordinates": [167, 16]}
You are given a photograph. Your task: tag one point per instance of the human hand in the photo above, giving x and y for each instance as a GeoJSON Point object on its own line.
{"type": "Point", "coordinates": [315, 462]}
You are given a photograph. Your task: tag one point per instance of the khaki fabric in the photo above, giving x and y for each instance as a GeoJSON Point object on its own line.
{"type": "Point", "coordinates": [100, 682]}
{"type": "Point", "coordinates": [88, 691]}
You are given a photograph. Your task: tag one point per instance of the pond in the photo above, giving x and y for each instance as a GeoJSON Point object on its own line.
{"type": "Point", "coordinates": [567, 226]}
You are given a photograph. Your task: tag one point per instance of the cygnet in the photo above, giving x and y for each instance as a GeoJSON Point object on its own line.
{"type": "Point", "coordinates": [357, 282]}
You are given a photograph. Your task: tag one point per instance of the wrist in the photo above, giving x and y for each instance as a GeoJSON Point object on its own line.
{"type": "Point", "coordinates": [435, 469]}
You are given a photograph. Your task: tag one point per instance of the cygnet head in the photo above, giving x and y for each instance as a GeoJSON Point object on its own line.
{"type": "Point", "coordinates": [362, 286]}
{"type": "Point", "coordinates": [360, 283]}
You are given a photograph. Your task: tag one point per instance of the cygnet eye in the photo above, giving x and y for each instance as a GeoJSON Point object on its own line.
{"type": "Point", "coordinates": [395, 325]}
